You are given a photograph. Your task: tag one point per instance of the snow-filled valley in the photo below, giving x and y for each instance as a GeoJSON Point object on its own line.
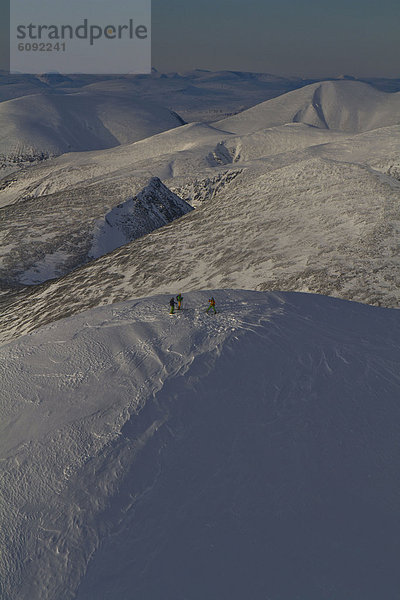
{"type": "Point", "coordinates": [248, 454]}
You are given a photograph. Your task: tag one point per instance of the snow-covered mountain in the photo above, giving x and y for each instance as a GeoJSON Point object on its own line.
{"type": "Point", "coordinates": [247, 454]}
{"type": "Point", "coordinates": [46, 116]}
{"type": "Point", "coordinates": [347, 106]}
{"type": "Point", "coordinates": [52, 124]}
{"type": "Point", "coordinates": [190, 149]}
{"type": "Point", "coordinates": [165, 155]}
{"type": "Point", "coordinates": [200, 94]}
{"type": "Point", "coordinates": [350, 106]}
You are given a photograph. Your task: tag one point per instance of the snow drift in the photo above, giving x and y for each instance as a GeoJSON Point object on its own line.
{"type": "Point", "coordinates": [250, 454]}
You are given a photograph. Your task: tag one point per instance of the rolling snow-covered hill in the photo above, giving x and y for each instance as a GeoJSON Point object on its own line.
{"type": "Point", "coordinates": [201, 94]}
{"type": "Point", "coordinates": [165, 155]}
{"type": "Point", "coordinates": [188, 150]}
{"type": "Point", "coordinates": [16, 86]}
{"type": "Point", "coordinates": [105, 110]}
{"type": "Point", "coordinates": [350, 106]}
{"type": "Point", "coordinates": [45, 116]}
{"type": "Point", "coordinates": [53, 124]}
{"type": "Point", "coordinates": [249, 454]}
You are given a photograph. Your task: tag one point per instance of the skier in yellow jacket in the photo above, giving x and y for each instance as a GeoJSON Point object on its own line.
{"type": "Point", "coordinates": [212, 304]}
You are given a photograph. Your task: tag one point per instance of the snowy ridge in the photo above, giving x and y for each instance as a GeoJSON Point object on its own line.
{"type": "Point", "coordinates": [61, 240]}
{"type": "Point", "coordinates": [173, 152]}
{"type": "Point", "coordinates": [152, 208]}
{"type": "Point", "coordinates": [60, 104]}
{"type": "Point", "coordinates": [190, 148]}
{"type": "Point", "coordinates": [140, 451]}
{"type": "Point", "coordinates": [349, 106]}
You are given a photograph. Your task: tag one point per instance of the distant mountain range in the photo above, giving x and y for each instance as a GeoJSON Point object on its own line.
{"type": "Point", "coordinates": [51, 114]}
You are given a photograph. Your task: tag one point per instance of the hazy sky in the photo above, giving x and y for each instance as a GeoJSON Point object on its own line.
{"type": "Point", "coordinates": [289, 37]}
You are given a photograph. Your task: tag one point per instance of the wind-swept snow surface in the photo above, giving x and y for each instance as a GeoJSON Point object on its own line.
{"type": "Point", "coordinates": [249, 454]}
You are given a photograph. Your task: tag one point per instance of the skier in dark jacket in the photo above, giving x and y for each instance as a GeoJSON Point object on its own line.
{"type": "Point", "coordinates": [172, 305]}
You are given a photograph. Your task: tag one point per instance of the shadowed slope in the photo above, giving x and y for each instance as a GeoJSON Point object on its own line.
{"type": "Point", "coordinates": [251, 453]}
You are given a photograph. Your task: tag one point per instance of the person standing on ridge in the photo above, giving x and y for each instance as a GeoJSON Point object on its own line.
{"type": "Point", "coordinates": [172, 305]}
{"type": "Point", "coordinates": [179, 298]}
{"type": "Point", "coordinates": [212, 304]}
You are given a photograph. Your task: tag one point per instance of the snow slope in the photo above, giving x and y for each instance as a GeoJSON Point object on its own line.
{"type": "Point", "coordinates": [65, 232]}
{"type": "Point", "coordinates": [248, 454]}
{"type": "Point", "coordinates": [51, 124]}
{"type": "Point", "coordinates": [350, 106]}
